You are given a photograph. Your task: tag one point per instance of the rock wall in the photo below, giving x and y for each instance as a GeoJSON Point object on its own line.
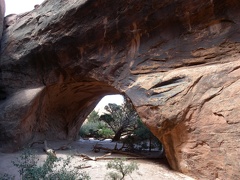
{"type": "Point", "coordinates": [2, 12]}
{"type": "Point", "coordinates": [178, 61]}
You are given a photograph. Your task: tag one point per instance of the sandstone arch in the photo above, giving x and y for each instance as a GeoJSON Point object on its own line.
{"type": "Point", "coordinates": [52, 112]}
{"type": "Point", "coordinates": [178, 61]}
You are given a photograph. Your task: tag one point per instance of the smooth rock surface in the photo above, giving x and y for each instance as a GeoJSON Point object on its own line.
{"type": "Point", "coordinates": [2, 12]}
{"type": "Point", "coordinates": [178, 61]}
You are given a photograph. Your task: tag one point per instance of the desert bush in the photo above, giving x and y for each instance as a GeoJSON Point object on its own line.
{"type": "Point", "coordinates": [52, 168]}
{"type": "Point", "coordinates": [140, 139]}
{"type": "Point", "coordinates": [105, 133]}
{"type": "Point", "coordinates": [120, 169]}
{"type": "Point", "coordinates": [145, 139]}
{"type": "Point", "coordinates": [88, 128]}
{"type": "Point", "coordinates": [95, 129]}
{"type": "Point", "coordinates": [6, 177]}
{"type": "Point", "coordinates": [122, 119]}
{"type": "Point", "coordinates": [93, 116]}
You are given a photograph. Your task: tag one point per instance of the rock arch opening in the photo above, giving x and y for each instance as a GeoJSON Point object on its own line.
{"type": "Point", "coordinates": [66, 106]}
{"type": "Point", "coordinates": [115, 119]}
{"type": "Point", "coordinates": [177, 61]}
{"type": "Point", "coordinates": [54, 112]}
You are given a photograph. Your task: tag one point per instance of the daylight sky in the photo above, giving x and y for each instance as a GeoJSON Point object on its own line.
{"type": "Point", "coordinates": [117, 99]}
{"type": "Point", "coordinates": [21, 6]}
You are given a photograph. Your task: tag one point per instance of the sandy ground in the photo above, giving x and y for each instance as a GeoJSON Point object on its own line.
{"type": "Point", "coordinates": [149, 169]}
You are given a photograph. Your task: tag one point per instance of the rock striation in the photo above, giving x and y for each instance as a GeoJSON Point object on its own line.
{"type": "Point", "coordinates": [178, 61]}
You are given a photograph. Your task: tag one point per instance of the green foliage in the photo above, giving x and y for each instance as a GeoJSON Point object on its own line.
{"type": "Point", "coordinates": [95, 129]}
{"type": "Point", "coordinates": [142, 138]}
{"type": "Point", "coordinates": [121, 119]}
{"type": "Point", "coordinates": [26, 163]}
{"type": "Point", "coordinates": [121, 169]}
{"type": "Point", "coordinates": [52, 168]}
{"type": "Point", "coordinates": [87, 128]}
{"type": "Point", "coordinates": [142, 132]}
{"type": "Point", "coordinates": [6, 177]}
{"type": "Point", "coordinates": [105, 132]}
{"type": "Point", "coordinates": [93, 116]}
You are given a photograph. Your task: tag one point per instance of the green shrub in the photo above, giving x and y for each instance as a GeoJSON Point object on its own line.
{"type": "Point", "coordinates": [96, 130]}
{"type": "Point", "coordinates": [121, 170]}
{"type": "Point", "coordinates": [52, 168]}
{"type": "Point", "coordinates": [143, 134]}
{"type": "Point", "coordinates": [105, 133]}
{"type": "Point", "coordinates": [93, 116]}
{"type": "Point", "coordinates": [6, 177]}
{"type": "Point", "coordinates": [88, 128]}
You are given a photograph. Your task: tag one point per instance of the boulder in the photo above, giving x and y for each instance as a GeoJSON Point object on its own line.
{"type": "Point", "coordinates": [178, 61]}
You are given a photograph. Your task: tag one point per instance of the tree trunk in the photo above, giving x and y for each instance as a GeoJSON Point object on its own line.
{"type": "Point", "coordinates": [118, 135]}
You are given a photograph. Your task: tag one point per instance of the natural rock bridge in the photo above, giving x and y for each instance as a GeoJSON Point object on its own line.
{"type": "Point", "coordinates": [177, 60]}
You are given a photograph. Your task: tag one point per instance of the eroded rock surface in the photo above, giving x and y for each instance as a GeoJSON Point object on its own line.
{"type": "Point", "coordinates": [178, 61]}
{"type": "Point", "coordinates": [2, 12]}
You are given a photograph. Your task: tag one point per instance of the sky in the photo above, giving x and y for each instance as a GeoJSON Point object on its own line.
{"type": "Point", "coordinates": [117, 99]}
{"type": "Point", "coordinates": [21, 6]}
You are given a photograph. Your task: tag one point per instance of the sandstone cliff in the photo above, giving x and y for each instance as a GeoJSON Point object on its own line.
{"type": "Point", "coordinates": [178, 61]}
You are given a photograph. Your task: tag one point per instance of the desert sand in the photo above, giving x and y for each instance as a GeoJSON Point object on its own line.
{"type": "Point", "coordinates": [149, 169]}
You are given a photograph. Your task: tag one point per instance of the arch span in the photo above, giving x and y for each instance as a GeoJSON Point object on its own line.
{"type": "Point", "coordinates": [53, 112]}
{"type": "Point", "coordinates": [178, 61]}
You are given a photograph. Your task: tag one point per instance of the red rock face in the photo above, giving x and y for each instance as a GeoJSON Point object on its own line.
{"type": "Point", "coordinates": [198, 126]}
{"type": "Point", "coordinates": [178, 61]}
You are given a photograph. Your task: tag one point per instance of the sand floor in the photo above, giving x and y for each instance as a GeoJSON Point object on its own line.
{"type": "Point", "coordinates": [149, 169]}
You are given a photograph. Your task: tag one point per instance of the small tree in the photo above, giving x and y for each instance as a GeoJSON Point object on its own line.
{"type": "Point", "coordinates": [143, 133]}
{"type": "Point", "coordinates": [121, 169]}
{"type": "Point", "coordinates": [93, 116]}
{"type": "Point", "coordinates": [52, 168]}
{"type": "Point", "coordinates": [95, 128]}
{"type": "Point", "coordinates": [121, 119]}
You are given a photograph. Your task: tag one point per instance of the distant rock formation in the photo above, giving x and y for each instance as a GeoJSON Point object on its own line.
{"type": "Point", "coordinates": [178, 61]}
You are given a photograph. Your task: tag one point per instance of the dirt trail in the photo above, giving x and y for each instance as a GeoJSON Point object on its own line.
{"type": "Point", "coordinates": [148, 169]}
